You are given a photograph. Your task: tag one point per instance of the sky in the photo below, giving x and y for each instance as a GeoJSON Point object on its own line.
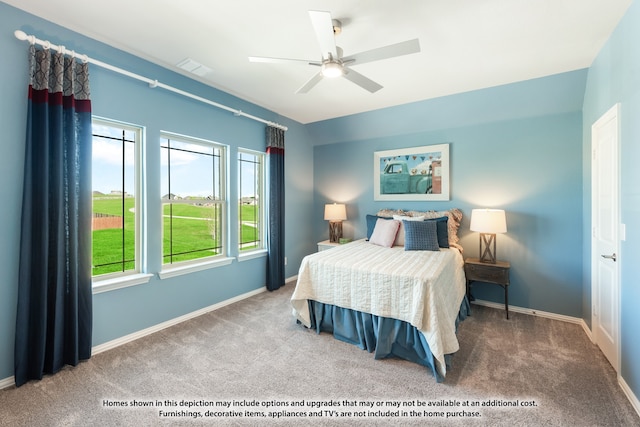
{"type": "Point", "coordinates": [191, 166]}
{"type": "Point", "coordinates": [107, 161]}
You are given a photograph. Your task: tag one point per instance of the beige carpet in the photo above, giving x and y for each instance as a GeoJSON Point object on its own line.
{"type": "Point", "coordinates": [250, 364]}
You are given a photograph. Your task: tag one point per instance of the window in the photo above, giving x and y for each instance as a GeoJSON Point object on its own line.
{"type": "Point", "coordinates": [251, 212]}
{"type": "Point", "coordinates": [116, 182]}
{"type": "Point", "coordinates": [193, 198]}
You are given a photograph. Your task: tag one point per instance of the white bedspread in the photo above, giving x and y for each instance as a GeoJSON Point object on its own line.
{"type": "Point", "coordinates": [423, 288]}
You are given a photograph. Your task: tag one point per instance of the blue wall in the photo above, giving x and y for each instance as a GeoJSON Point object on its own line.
{"type": "Point", "coordinates": [124, 311]}
{"type": "Point", "coordinates": [615, 77]}
{"type": "Point", "coordinates": [516, 147]}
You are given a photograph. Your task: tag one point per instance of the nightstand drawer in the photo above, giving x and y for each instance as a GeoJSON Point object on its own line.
{"type": "Point", "coordinates": [487, 273]}
{"type": "Point", "coordinates": [498, 274]}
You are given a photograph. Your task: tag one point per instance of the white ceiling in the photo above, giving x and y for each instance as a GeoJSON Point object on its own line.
{"type": "Point", "coordinates": [465, 44]}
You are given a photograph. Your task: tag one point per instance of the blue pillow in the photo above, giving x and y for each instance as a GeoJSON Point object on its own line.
{"type": "Point", "coordinates": [371, 223]}
{"type": "Point", "coordinates": [442, 228]}
{"type": "Point", "coordinates": [421, 236]}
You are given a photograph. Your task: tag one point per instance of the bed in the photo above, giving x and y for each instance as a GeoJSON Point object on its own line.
{"type": "Point", "coordinates": [391, 299]}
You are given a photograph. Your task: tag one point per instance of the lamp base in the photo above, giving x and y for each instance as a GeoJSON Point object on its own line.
{"type": "Point", "coordinates": [488, 253]}
{"type": "Point", "coordinates": [335, 231]}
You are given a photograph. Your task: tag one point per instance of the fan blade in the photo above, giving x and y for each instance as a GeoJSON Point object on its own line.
{"type": "Point", "coordinates": [282, 60]}
{"type": "Point", "coordinates": [393, 50]}
{"type": "Point", "coordinates": [362, 81]}
{"type": "Point", "coordinates": [310, 84]}
{"type": "Point", "coordinates": [323, 28]}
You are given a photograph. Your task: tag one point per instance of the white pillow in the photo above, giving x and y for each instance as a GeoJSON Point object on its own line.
{"type": "Point", "coordinates": [384, 233]}
{"type": "Point", "coordinates": [400, 236]}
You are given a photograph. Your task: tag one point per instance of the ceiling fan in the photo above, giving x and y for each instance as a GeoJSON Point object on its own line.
{"type": "Point", "coordinates": [333, 64]}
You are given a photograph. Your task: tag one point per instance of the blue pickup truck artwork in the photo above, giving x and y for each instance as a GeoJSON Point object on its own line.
{"type": "Point", "coordinates": [398, 176]}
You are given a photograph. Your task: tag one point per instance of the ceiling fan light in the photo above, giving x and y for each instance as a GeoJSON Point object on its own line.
{"type": "Point", "coordinates": [332, 69]}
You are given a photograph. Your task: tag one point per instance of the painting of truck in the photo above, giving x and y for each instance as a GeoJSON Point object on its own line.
{"type": "Point", "coordinates": [412, 174]}
{"type": "Point", "coordinates": [398, 178]}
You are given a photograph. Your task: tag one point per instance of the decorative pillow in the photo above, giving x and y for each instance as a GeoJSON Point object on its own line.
{"type": "Point", "coordinates": [384, 233]}
{"type": "Point", "coordinates": [455, 218]}
{"type": "Point", "coordinates": [454, 215]}
{"type": "Point", "coordinates": [421, 236]}
{"type": "Point", "coordinates": [400, 236]}
{"type": "Point", "coordinates": [443, 231]}
{"type": "Point", "coordinates": [389, 213]}
{"type": "Point", "coordinates": [371, 223]}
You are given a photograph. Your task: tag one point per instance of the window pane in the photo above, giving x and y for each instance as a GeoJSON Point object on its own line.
{"type": "Point", "coordinates": [193, 200]}
{"type": "Point", "coordinates": [114, 206]}
{"type": "Point", "coordinates": [250, 207]}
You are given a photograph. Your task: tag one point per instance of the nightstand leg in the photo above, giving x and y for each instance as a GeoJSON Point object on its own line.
{"type": "Point", "coordinates": [506, 300]}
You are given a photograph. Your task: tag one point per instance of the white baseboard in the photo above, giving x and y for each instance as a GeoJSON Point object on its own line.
{"type": "Point", "coordinates": [160, 326]}
{"type": "Point", "coordinates": [539, 313]}
{"type": "Point", "coordinates": [532, 312]}
{"type": "Point", "coordinates": [623, 385]}
{"type": "Point", "coordinates": [587, 331]}
{"type": "Point", "coordinates": [289, 279]}
{"type": "Point", "coordinates": [629, 393]}
{"type": "Point", "coordinates": [8, 382]}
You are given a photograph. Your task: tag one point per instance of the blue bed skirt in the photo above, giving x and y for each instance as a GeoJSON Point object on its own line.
{"type": "Point", "coordinates": [384, 336]}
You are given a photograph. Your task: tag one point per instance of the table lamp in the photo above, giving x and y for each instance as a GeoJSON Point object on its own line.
{"type": "Point", "coordinates": [488, 222]}
{"type": "Point", "coordinates": [335, 213]}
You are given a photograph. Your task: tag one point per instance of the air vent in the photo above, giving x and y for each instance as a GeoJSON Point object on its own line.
{"type": "Point", "coordinates": [193, 67]}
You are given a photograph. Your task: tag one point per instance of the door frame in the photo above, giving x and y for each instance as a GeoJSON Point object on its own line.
{"type": "Point", "coordinates": [613, 112]}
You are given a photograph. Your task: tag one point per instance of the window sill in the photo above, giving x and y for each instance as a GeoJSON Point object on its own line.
{"type": "Point", "coordinates": [191, 268]}
{"type": "Point", "coordinates": [252, 255]}
{"type": "Point", "coordinates": [120, 282]}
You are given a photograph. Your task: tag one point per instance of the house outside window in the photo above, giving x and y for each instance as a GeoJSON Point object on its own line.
{"type": "Point", "coordinates": [251, 211]}
{"type": "Point", "coordinates": [194, 201]}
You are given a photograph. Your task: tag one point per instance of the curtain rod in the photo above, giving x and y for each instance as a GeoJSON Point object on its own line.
{"type": "Point", "coordinates": [21, 35]}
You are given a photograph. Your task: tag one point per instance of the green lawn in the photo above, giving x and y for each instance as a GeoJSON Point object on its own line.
{"type": "Point", "coordinates": [193, 234]}
{"type": "Point", "coordinates": [108, 244]}
{"type": "Point", "coordinates": [248, 233]}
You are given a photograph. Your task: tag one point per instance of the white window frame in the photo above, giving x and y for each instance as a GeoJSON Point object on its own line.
{"type": "Point", "coordinates": [139, 275]}
{"type": "Point", "coordinates": [189, 266]}
{"type": "Point", "coordinates": [262, 250]}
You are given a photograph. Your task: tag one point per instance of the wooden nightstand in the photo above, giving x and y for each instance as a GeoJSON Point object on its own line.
{"type": "Point", "coordinates": [497, 274]}
{"type": "Point", "coordinates": [326, 244]}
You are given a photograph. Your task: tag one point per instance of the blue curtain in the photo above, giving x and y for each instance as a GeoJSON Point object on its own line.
{"type": "Point", "coordinates": [275, 224]}
{"type": "Point", "coordinates": [54, 316]}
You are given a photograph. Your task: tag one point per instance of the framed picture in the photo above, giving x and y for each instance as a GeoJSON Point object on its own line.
{"type": "Point", "coordinates": [417, 174]}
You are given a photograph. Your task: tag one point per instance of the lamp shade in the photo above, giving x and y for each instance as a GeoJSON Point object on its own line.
{"type": "Point", "coordinates": [490, 221]}
{"type": "Point", "coordinates": [335, 212]}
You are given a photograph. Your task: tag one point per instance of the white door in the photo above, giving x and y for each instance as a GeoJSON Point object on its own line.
{"type": "Point", "coordinates": [605, 286]}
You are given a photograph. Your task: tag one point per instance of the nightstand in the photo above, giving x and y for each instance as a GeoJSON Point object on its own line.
{"type": "Point", "coordinates": [497, 273]}
{"type": "Point", "coordinates": [326, 244]}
